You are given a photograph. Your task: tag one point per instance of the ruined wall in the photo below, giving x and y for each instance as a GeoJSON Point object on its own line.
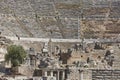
{"type": "Point", "coordinates": [105, 74]}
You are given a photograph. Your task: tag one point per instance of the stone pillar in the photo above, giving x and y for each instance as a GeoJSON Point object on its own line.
{"type": "Point", "coordinates": [58, 75]}
{"type": "Point", "coordinates": [63, 75]}
{"type": "Point", "coordinates": [45, 73]}
{"type": "Point", "coordinates": [51, 73]}
{"type": "Point", "coordinates": [81, 76]}
{"type": "Point", "coordinates": [28, 62]}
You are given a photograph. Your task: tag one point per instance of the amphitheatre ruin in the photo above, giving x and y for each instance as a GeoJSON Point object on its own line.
{"type": "Point", "coordinates": [66, 19]}
{"type": "Point", "coordinates": [76, 39]}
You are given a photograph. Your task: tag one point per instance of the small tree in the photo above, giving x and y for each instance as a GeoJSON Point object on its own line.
{"type": "Point", "coordinates": [16, 54]}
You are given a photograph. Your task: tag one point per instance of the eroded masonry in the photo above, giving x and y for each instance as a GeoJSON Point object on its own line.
{"type": "Point", "coordinates": [63, 39]}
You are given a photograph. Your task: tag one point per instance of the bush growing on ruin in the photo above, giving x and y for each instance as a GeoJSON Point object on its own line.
{"type": "Point", "coordinates": [16, 55]}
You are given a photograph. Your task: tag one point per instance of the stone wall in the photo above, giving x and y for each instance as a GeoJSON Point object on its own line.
{"type": "Point", "coordinates": [105, 74]}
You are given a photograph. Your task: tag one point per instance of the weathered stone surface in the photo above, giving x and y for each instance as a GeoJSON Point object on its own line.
{"type": "Point", "coordinates": [36, 18]}
{"type": "Point", "coordinates": [105, 74]}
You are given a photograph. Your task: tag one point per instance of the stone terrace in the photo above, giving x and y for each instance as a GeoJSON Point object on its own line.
{"type": "Point", "coordinates": [37, 18]}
